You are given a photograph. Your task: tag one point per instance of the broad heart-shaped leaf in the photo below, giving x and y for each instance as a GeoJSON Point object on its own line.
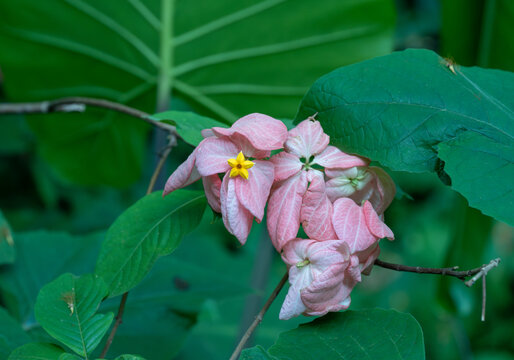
{"type": "Point", "coordinates": [404, 108]}
{"type": "Point", "coordinates": [11, 334]}
{"type": "Point", "coordinates": [189, 125]}
{"type": "Point", "coordinates": [66, 309]}
{"type": "Point", "coordinates": [7, 251]}
{"type": "Point", "coordinates": [150, 228]}
{"type": "Point", "coordinates": [37, 351]}
{"type": "Point", "coordinates": [365, 334]}
{"type": "Point", "coordinates": [225, 58]}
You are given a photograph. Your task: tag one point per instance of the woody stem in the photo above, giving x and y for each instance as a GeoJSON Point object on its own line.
{"type": "Point", "coordinates": [259, 317]}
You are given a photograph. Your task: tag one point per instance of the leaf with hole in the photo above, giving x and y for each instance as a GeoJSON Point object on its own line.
{"type": "Point", "coordinates": [410, 111]}
{"type": "Point", "coordinates": [225, 58]}
{"type": "Point", "coordinates": [152, 227]}
{"type": "Point", "coordinates": [66, 309]}
{"type": "Point", "coordinates": [364, 334]}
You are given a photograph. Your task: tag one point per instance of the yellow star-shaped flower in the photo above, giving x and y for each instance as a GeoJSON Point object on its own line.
{"type": "Point", "coordinates": [239, 166]}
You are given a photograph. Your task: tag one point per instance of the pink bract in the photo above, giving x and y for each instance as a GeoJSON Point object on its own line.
{"type": "Point", "coordinates": [361, 228]}
{"type": "Point", "coordinates": [321, 275]}
{"type": "Point", "coordinates": [291, 202]}
{"type": "Point", "coordinates": [361, 184]}
{"type": "Point", "coordinates": [239, 200]}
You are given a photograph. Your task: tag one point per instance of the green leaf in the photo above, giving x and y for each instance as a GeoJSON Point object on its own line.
{"type": "Point", "coordinates": [370, 334]}
{"type": "Point", "coordinates": [11, 334]}
{"type": "Point", "coordinates": [224, 58]}
{"type": "Point", "coordinates": [39, 351]}
{"type": "Point", "coordinates": [66, 308]}
{"type": "Point", "coordinates": [189, 125]}
{"type": "Point", "coordinates": [67, 356]}
{"type": "Point", "coordinates": [162, 310]}
{"type": "Point", "coordinates": [152, 227]}
{"type": "Point", "coordinates": [41, 257]}
{"type": "Point", "coordinates": [482, 170]}
{"type": "Point", "coordinates": [7, 250]}
{"type": "Point", "coordinates": [129, 357]}
{"type": "Point", "coordinates": [404, 108]}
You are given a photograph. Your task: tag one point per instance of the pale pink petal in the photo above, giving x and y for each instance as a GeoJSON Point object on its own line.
{"type": "Point", "coordinates": [326, 292]}
{"type": "Point", "coordinates": [286, 165]}
{"type": "Point", "coordinates": [213, 154]}
{"type": "Point", "coordinates": [343, 305]}
{"type": "Point", "coordinates": [262, 131]}
{"type": "Point", "coordinates": [375, 225]}
{"type": "Point", "coordinates": [339, 187]}
{"type": "Point", "coordinates": [236, 218]}
{"type": "Point", "coordinates": [346, 173]}
{"type": "Point", "coordinates": [367, 260]}
{"type": "Point", "coordinates": [299, 278]}
{"type": "Point", "coordinates": [386, 188]}
{"type": "Point", "coordinates": [295, 250]}
{"type": "Point", "coordinates": [355, 183]}
{"type": "Point", "coordinates": [332, 157]}
{"type": "Point", "coordinates": [254, 191]}
{"type": "Point", "coordinates": [292, 305]}
{"type": "Point", "coordinates": [284, 207]}
{"type": "Point", "coordinates": [184, 175]}
{"type": "Point", "coordinates": [207, 133]}
{"type": "Point", "coordinates": [323, 254]}
{"type": "Point", "coordinates": [316, 212]}
{"type": "Point", "coordinates": [350, 225]}
{"type": "Point", "coordinates": [212, 186]}
{"type": "Point", "coordinates": [247, 148]}
{"type": "Point", "coordinates": [307, 139]}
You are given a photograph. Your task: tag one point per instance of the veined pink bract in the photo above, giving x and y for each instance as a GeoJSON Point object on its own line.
{"type": "Point", "coordinates": [241, 195]}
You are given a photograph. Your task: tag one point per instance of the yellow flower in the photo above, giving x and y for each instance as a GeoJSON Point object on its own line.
{"type": "Point", "coordinates": [239, 166]}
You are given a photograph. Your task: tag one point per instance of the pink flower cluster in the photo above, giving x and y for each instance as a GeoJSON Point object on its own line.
{"type": "Point", "coordinates": [337, 198]}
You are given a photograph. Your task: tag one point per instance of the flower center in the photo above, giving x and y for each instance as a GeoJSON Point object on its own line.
{"type": "Point", "coordinates": [303, 263]}
{"type": "Point", "coordinates": [240, 166]}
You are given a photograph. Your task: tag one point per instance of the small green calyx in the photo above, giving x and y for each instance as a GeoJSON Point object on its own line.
{"type": "Point", "coordinates": [303, 263]}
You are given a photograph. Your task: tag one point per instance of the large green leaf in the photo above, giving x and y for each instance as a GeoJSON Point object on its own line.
{"type": "Point", "coordinates": [41, 257]}
{"type": "Point", "coordinates": [227, 58]}
{"type": "Point", "coordinates": [7, 251]}
{"type": "Point", "coordinates": [150, 228]}
{"type": "Point", "coordinates": [11, 334]}
{"type": "Point", "coordinates": [366, 334]}
{"type": "Point", "coordinates": [66, 309]}
{"type": "Point", "coordinates": [409, 111]}
{"type": "Point", "coordinates": [177, 293]}
{"type": "Point", "coordinates": [37, 351]}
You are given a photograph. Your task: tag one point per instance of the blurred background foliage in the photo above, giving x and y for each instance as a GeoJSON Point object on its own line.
{"type": "Point", "coordinates": [65, 178]}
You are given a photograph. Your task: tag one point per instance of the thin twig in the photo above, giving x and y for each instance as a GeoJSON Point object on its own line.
{"type": "Point", "coordinates": [482, 317]}
{"type": "Point", "coordinates": [441, 271]}
{"type": "Point", "coordinates": [117, 323]}
{"type": "Point", "coordinates": [119, 316]}
{"type": "Point", "coordinates": [79, 104]}
{"type": "Point", "coordinates": [258, 318]}
{"type": "Point", "coordinates": [483, 271]}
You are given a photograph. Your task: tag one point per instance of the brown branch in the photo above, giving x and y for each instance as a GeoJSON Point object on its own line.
{"type": "Point", "coordinates": [117, 323]}
{"type": "Point", "coordinates": [259, 317]}
{"type": "Point", "coordinates": [452, 271]}
{"type": "Point", "coordinates": [79, 104]}
{"type": "Point", "coordinates": [119, 316]}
